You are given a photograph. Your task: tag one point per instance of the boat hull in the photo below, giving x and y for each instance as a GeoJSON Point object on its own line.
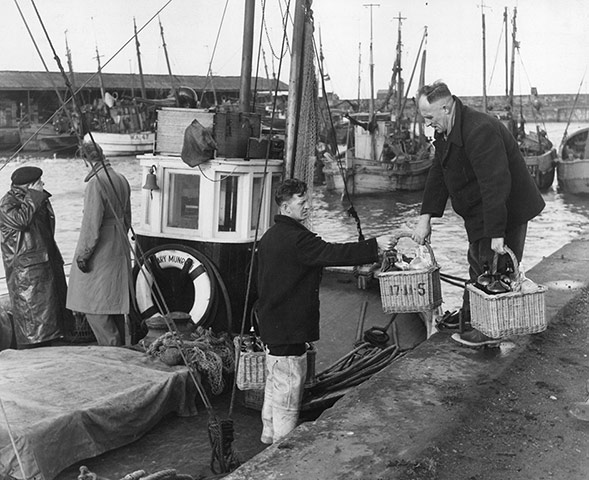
{"type": "Point", "coordinates": [572, 169]}
{"type": "Point", "coordinates": [37, 138]}
{"type": "Point", "coordinates": [541, 167]}
{"type": "Point", "coordinates": [9, 138]}
{"type": "Point", "coordinates": [366, 177]}
{"type": "Point", "coordinates": [122, 144]}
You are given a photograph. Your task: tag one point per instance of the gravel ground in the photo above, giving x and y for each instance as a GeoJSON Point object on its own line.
{"type": "Point", "coordinates": [520, 427]}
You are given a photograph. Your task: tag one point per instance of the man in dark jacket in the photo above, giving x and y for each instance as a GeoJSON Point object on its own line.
{"type": "Point", "coordinates": [479, 166]}
{"type": "Point", "coordinates": [290, 263]}
{"type": "Point", "coordinates": [32, 261]}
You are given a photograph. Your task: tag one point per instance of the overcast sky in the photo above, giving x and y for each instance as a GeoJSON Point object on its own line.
{"type": "Point", "coordinates": [553, 39]}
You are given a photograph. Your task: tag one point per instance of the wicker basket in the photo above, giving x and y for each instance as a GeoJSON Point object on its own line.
{"type": "Point", "coordinates": [411, 290]}
{"type": "Point", "coordinates": [251, 371]}
{"type": "Point", "coordinates": [254, 399]}
{"type": "Point", "coordinates": [511, 313]}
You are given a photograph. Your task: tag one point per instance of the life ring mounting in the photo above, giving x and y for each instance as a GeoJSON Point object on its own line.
{"type": "Point", "coordinates": [176, 278]}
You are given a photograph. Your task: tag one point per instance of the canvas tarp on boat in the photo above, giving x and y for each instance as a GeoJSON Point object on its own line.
{"type": "Point", "coordinates": [65, 404]}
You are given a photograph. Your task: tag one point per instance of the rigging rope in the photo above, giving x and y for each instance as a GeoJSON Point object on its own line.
{"type": "Point", "coordinates": [210, 71]}
{"type": "Point", "coordinates": [220, 431]}
{"type": "Point", "coordinates": [351, 209]}
{"type": "Point", "coordinates": [256, 233]}
{"type": "Point", "coordinates": [79, 89]}
{"type": "Point", "coordinates": [564, 136]}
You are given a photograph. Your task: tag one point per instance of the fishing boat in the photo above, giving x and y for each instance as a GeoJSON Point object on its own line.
{"type": "Point", "coordinates": [537, 150]}
{"type": "Point", "coordinates": [202, 212]}
{"type": "Point", "coordinates": [390, 152]}
{"type": "Point", "coordinates": [572, 167]}
{"type": "Point", "coordinates": [47, 138]}
{"type": "Point", "coordinates": [9, 138]}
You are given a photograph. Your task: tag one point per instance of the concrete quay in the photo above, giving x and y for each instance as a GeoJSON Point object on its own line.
{"type": "Point", "coordinates": [414, 403]}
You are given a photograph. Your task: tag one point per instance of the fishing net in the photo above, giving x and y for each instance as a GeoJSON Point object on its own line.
{"type": "Point", "coordinates": [304, 165]}
{"type": "Point", "coordinates": [209, 354]}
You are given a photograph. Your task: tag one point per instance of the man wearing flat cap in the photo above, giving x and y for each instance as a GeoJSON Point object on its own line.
{"type": "Point", "coordinates": [100, 274]}
{"type": "Point", "coordinates": [32, 261]}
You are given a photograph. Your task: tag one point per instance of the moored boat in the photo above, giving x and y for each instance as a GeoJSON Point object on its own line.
{"type": "Point", "coordinates": [119, 144]}
{"type": "Point", "coordinates": [35, 137]}
{"type": "Point", "coordinates": [9, 138]}
{"type": "Point", "coordinates": [390, 152]}
{"type": "Point", "coordinates": [572, 167]}
{"type": "Point", "coordinates": [536, 148]}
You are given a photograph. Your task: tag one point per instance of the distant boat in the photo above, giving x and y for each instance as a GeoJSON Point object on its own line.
{"type": "Point", "coordinates": [9, 138]}
{"type": "Point", "coordinates": [536, 148]}
{"type": "Point", "coordinates": [388, 154]}
{"type": "Point", "coordinates": [37, 137]}
{"type": "Point", "coordinates": [572, 167]}
{"type": "Point", "coordinates": [121, 144]}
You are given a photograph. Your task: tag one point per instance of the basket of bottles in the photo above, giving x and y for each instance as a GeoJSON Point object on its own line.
{"type": "Point", "coordinates": [410, 284]}
{"type": "Point", "coordinates": [251, 369]}
{"type": "Point", "coordinates": [251, 366]}
{"type": "Point", "coordinates": [504, 302]}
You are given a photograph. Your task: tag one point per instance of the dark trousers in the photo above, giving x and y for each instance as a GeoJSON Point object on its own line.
{"type": "Point", "coordinates": [480, 253]}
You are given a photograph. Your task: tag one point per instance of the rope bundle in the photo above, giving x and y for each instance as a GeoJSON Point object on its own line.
{"type": "Point", "coordinates": [210, 355]}
{"type": "Point", "coordinates": [167, 474]}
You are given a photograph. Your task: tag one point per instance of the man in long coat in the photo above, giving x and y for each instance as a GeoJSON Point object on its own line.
{"type": "Point", "coordinates": [101, 270]}
{"type": "Point", "coordinates": [479, 166]}
{"type": "Point", "coordinates": [32, 261]}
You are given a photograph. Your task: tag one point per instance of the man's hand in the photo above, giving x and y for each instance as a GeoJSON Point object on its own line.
{"type": "Point", "coordinates": [386, 242]}
{"type": "Point", "coordinates": [422, 230]}
{"type": "Point", "coordinates": [498, 245]}
{"type": "Point", "coordinates": [82, 265]}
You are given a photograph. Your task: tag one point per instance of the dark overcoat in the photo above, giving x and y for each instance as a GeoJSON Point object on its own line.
{"type": "Point", "coordinates": [290, 265]}
{"type": "Point", "coordinates": [481, 169]}
{"type": "Point", "coordinates": [33, 265]}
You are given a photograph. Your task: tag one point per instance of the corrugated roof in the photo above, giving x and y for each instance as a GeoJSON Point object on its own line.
{"type": "Point", "coordinates": [22, 80]}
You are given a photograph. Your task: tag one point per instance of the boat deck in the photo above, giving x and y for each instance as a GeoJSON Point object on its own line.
{"type": "Point", "coordinates": [183, 444]}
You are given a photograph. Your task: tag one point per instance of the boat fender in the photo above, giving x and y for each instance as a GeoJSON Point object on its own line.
{"type": "Point", "coordinates": [181, 258]}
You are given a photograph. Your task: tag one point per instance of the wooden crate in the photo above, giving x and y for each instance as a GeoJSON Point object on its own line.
{"type": "Point", "coordinates": [171, 124]}
{"type": "Point", "coordinates": [232, 131]}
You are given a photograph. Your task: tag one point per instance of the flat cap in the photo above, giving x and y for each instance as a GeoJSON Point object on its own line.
{"type": "Point", "coordinates": [92, 152]}
{"type": "Point", "coordinates": [24, 175]}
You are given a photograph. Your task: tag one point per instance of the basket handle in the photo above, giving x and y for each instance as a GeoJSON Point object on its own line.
{"type": "Point", "coordinates": [426, 243]}
{"type": "Point", "coordinates": [386, 262]}
{"type": "Point", "coordinates": [513, 259]}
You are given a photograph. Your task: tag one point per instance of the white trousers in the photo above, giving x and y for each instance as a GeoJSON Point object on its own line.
{"type": "Point", "coordinates": [283, 393]}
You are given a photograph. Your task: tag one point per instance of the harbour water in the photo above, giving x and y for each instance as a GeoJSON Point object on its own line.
{"type": "Point", "coordinates": [564, 217]}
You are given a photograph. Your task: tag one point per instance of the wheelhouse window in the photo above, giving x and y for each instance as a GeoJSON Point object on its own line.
{"type": "Point", "coordinates": [228, 204]}
{"type": "Point", "coordinates": [183, 209]}
{"type": "Point", "coordinates": [256, 198]}
{"type": "Point", "coordinates": [276, 179]}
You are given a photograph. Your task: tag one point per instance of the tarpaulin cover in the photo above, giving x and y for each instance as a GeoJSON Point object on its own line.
{"type": "Point", "coordinates": [65, 404]}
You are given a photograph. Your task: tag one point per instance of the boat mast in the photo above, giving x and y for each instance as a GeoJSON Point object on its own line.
{"type": "Point", "coordinates": [512, 72]}
{"type": "Point", "coordinates": [359, 70]}
{"type": "Point", "coordinates": [174, 91]}
{"type": "Point", "coordinates": [143, 95]}
{"type": "Point", "coordinates": [398, 69]}
{"type": "Point", "coordinates": [295, 86]}
{"type": "Point", "coordinates": [485, 104]}
{"type": "Point", "coordinates": [102, 91]}
{"type": "Point", "coordinates": [371, 66]}
{"type": "Point", "coordinates": [422, 81]}
{"type": "Point", "coordinates": [246, 57]}
{"type": "Point", "coordinates": [506, 25]}
{"type": "Point", "coordinates": [70, 65]}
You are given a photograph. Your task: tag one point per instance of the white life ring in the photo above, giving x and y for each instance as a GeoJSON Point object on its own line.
{"type": "Point", "coordinates": [174, 257]}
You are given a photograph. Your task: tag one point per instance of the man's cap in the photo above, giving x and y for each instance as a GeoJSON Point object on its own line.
{"type": "Point", "coordinates": [24, 175]}
{"type": "Point", "coordinates": [92, 152]}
